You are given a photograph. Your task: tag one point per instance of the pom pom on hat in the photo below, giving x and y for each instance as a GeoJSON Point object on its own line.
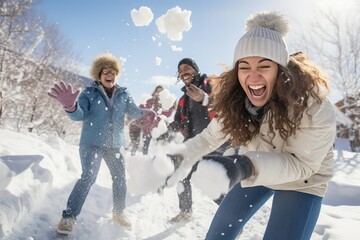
{"type": "Point", "coordinates": [104, 60]}
{"type": "Point", "coordinates": [264, 38]}
{"type": "Point", "coordinates": [271, 20]}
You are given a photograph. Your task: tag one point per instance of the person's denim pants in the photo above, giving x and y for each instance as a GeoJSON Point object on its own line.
{"type": "Point", "coordinates": [90, 162]}
{"type": "Point", "coordinates": [293, 214]}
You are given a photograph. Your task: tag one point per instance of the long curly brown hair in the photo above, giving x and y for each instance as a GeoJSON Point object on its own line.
{"type": "Point", "coordinates": [295, 85]}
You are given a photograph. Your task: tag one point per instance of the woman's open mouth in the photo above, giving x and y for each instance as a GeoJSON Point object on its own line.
{"type": "Point", "coordinates": [257, 90]}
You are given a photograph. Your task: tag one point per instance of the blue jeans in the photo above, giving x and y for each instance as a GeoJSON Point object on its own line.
{"type": "Point", "coordinates": [293, 214]}
{"type": "Point", "coordinates": [90, 162]}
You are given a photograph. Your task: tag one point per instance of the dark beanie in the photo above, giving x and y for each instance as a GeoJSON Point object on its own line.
{"type": "Point", "coordinates": [190, 62]}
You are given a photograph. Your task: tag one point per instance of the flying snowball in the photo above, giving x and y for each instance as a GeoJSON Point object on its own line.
{"type": "Point", "coordinates": [142, 17]}
{"type": "Point", "coordinates": [174, 23]}
{"type": "Point", "coordinates": [166, 99]}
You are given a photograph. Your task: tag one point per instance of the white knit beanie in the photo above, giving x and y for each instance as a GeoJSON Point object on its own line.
{"type": "Point", "coordinates": [264, 38]}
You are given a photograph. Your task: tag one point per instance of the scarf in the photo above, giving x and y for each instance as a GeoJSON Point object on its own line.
{"type": "Point", "coordinates": [256, 113]}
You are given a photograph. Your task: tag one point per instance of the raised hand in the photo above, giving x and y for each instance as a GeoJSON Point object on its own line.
{"type": "Point", "coordinates": [64, 95]}
{"type": "Point", "coordinates": [195, 93]}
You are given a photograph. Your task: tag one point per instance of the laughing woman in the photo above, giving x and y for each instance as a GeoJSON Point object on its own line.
{"type": "Point", "coordinates": [102, 108]}
{"type": "Point", "coordinates": [275, 106]}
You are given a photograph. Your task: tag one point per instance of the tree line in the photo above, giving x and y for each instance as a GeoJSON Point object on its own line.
{"type": "Point", "coordinates": [33, 56]}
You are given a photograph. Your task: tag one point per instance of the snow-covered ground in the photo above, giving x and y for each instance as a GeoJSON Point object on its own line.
{"type": "Point", "coordinates": [33, 193]}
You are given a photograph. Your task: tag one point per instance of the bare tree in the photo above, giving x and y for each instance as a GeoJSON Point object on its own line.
{"type": "Point", "coordinates": [17, 26]}
{"type": "Point", "coordinates": [33, 56]}
{"type": "Point", "coordinates": [48, 53]}
{"type": "Point", "coordinates": [336, 44]}
{"type": "Point", "coordinates": [334, 41]}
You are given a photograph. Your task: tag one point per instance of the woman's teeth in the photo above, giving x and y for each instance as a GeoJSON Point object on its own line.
{"type": "Point", "coordinates": [257, 90]}
{"type": "Point", "coordinates": [256, 87]}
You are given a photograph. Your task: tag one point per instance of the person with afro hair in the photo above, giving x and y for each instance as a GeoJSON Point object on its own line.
{"type": "Point", "coordinates": [102, 108]}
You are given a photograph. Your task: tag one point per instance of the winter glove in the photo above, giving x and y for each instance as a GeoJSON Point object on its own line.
{"type": "Point", "coordinates": [176, 160]}
{"type": "Point", "coordinates": [166, 137]}
{"type": "Point", "coordinates": [238, 167]}
{"type": "Point", "coordinates": [195, 93]}
{"type": "Point", "coordinates": [64, 95]}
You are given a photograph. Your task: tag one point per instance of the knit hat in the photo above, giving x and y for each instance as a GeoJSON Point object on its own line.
{"type": "Point", "coordinates": [190, 62]}
{"type": "Point", "coordinates": [264, 38]}
{"type": "Point", "coordinates": [102, 61]}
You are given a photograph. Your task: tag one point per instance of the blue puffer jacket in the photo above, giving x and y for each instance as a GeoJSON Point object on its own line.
{"type": "Point", "coordinates": [103, 119]}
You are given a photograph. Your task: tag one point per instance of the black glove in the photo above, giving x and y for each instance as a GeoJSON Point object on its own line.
{"type": "Point", "coordinates": [238, 167]}
{"type": "Point", "coordinates": [176, 159]}
{"type": "Point", "coordinates": [167, 137]}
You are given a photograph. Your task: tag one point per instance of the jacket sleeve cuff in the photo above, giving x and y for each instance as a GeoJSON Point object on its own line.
{"type": "Point", "coordinates": [71, 108]}
{"type": "Point", "coordinates": [205, 101]}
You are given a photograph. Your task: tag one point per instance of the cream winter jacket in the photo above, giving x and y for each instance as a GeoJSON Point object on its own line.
{"type": "Point", "coordinates": [303, 163]}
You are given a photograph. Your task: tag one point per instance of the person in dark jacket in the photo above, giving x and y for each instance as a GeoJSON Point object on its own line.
{"type": "Point", "coordinates": [102, 108]}
{"type": "Point", "coordinates": [193, 114]}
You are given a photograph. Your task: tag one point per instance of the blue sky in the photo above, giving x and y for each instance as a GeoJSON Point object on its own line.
{"type": "Point", "coordinates": [98, 26]}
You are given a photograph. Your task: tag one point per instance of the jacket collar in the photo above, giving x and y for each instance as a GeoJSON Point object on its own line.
{"type": "Point", "coordinates": [98, 85]}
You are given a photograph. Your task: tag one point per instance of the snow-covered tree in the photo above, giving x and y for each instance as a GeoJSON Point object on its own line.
{"type": "Point", "coordinates": [33, 56]}
{"type": "Point", "coordinates": [334, 41]}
